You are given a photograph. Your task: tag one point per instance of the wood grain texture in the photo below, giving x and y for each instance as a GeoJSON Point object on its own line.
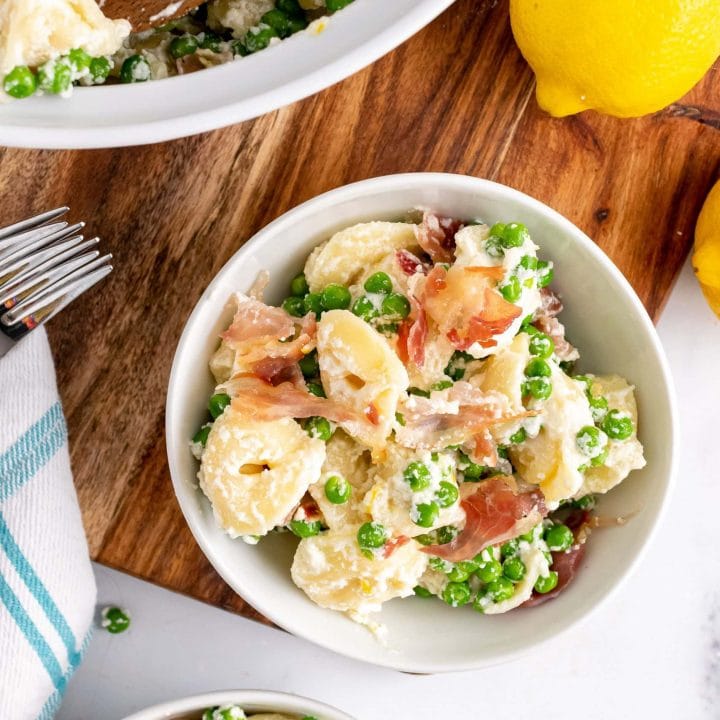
{"type": "Point", "coordinates": [146, 14]}
{"type": "Point", "coordinates": [459, 98]}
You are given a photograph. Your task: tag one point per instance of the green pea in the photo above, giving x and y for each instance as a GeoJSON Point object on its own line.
{"type": "Point", "coordinates": [519, 437]}
{"type": "Point", "coordinates": [309, 365]}
{"type": "Point", "coordinates": [511, 290]}
{"type": "Point", "coordinates": [217, 404]}
{"type": "Point", "coordinates": [502, 452]}
{"type": "Point", "coordinates": [515, 235]}
{"type": "Point", "coordinates": [509, 549]}
{"type": "Point", "coordinates": [447, 494]}
{"type": "Point", "coordinates": [545, 273]}
{"type": "Point", "coordinates": [305, 528]}
{"type": "Point", "coordinates": [364, 308]}
{"type": "Point", "coordinates": [538, 367]}
{"type": "Point", "coordinates": [456, 367]}
{"type": "Point", "coordinates": [299, 286]}
{"type": "Point", "coordinates": [337, 490]}
{"type": "Point", "coordinates": [601, 458]}
{"type": "Point", "coordinates": [528, 262]}
{"type": "Point", "coordinates": [396, 305]}
{"type": "Point", "coordinates": [417, 476]}
{"type": "Point", "coordinates": [493, 247]}
{"type": "Point", "coordinates": [541, 345]}
{"type": "Point", "coordinates": [379, 282]}
{"type": "Point", "coordinates": [115, 620]}
{"type": "Point", "coordinates": [319, 427]}
{"type": "Point", "coordinates": [456, 594]}
{"type": "Point", "coordinates": [461, 571]}
{"type": "Point", "coordinates": [446, 534]}
{"type": "Point", "coordinates": [617, 425]}
{"type": "Point", "coordinates": [388, 328]}
{"type": "Point", "coordinates": [335, 5]}
{"type": "Point", "coordinates": [426, 538]}
{"type": "Point", "coordinates": [296, 24]}
{"type": "Point", "coordinates": [514, 569]}
{"type": "Point", "coordinates": [559, 537]}
{"type": "Point", "coordinates": [499, 590]}
{"type": "Point", "coordinates": [100, 68]}
{"type": "Point", "coordinates": [290, 7]}
{"type": "Point", "coordinates": [210, 41]}
{"type": "Point", "coordinates": [587, 502]}
{"type": "Point", "coordinates": [567, 366]}
{"type": "Point", "coordinates": [294, 306]}
{"type": "Point", "coordinates": [20, 82]}
{"type": "Point", "coordinates": [371, 535]}
{"type": "Point", "coordinates": [528, 536]}
{"type": "Point", "coordinates": [471, 470]}
{"type": "Point", "coordinates": [400, 418]}
{"type": "Point", "coordinates": [544, 584]}
{"type": "Point", "coordinates": [238, 48]}
{"type": "Point", "coordinates": [539, 388]}
{"type": "Point", "coordinates": [422, 592]}
{"type": "Point", "coordinates": [55, 77]}
{"type": "Point", "coordinates": [598, 407]}
{"type": "Point", "coordinates": [201, 435]}
{"type": "Point", "coordinates": [591, 441]}
{"type": "Point", "coordinates": [79, 60]}
{"type": "Point", "coordinates": [336, 297]}
{"type": "Point", "coordinates": [135, 69]}
{"type": "Point", "coordinates": [426, 514]}
{"type": "Point", "coordinates": [489, 571]}
{"type": "Point", "coordinates": [312, 302]}
{"type": "Point", "coordinates": [259, 38]}
{"type": "Point", "coordinates": [278, 21]}
{"type": "Point", "coordinates": [316, 389]}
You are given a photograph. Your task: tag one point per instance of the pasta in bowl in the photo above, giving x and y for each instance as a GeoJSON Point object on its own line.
{"type": "Point", "coordinates": [411, 413]}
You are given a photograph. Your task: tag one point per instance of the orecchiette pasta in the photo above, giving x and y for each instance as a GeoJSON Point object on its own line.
{"type": "Point", "coordinates": [347, 255]}
{"type": "Point", "coordinates": [255, 473]}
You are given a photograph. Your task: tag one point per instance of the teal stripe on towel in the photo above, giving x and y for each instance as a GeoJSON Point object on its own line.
{"type": "Point", "coordinates": [53, 702]}
{"type": "Point", "coordinates": [33, 635]}
{"type": "Point", "coordinates": [37, 588]}
{"type": "Point", "coordinates": [32, 451]}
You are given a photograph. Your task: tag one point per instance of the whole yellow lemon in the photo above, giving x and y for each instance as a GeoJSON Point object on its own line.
{"type": "Point", "coordinates": [706, 257]}
{"type": "Point", "coordinates": [621, 57]}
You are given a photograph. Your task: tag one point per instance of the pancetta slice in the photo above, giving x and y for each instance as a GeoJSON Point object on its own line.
{"type": "Point", "coordinates": [436, 236]}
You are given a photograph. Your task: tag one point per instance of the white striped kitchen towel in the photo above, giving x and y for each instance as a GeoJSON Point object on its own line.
{"type": "Point", "coordinates": [47, 589]}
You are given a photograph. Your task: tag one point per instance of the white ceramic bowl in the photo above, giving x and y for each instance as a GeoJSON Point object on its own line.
{"type": "Point", "coordinates": [249, 700]}
{"type": "Point", "coordinates": [605, 319]}
{"type": "Point", "coordinates": [119, 115]}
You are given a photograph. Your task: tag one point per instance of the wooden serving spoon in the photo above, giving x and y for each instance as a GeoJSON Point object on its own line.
{"type": "Point", "coordinates": [147, 14]}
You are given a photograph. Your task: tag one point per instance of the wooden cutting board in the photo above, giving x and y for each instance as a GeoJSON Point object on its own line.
{"type": "Point", "coordinates": [458, 97]}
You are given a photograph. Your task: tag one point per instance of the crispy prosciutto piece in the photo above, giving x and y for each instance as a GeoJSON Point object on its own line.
{"type": "Point", "coordinates": [254, 322]}
{"type": "Point", "coordinates": [494, 513]}
{"type": "Point", "coordinates": [261, 400]}
{"type": "Point", "coordinates": [454, 416]}
{"type": "Point", "coordinates": [436, 236]}
{"type": "Point", "coordinates": [410, 263]}
{"type": "Point", "coordinates": [566, 565]}
{"type": "Point", "coordinates": [417, 333]}
{"type": "Point", "coordinates": [466, 306]}
{"type": "Point", "coordinates": [545, 319]}
{"type": "Point", "coordinates": [393, 544]}
{"type": "Point", "coordinates": [257, 335]}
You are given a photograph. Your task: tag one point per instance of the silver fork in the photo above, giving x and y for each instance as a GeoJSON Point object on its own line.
{"type": "Point", "coordinates": [45, 264]}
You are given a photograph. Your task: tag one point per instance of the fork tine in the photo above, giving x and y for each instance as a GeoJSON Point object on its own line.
{"type": "Point", "coordinates": [30, 268]}
{"type": "Point", "coordinates": [32, 222]}
{"type": "Point", "coordinates": [13, 242]}
{"type": "Point", "coordinates": [64, 290]}
{"type": "Point", "coordinates": [49, 272]}
{"type": "Point", "coordinates": [35, 252]}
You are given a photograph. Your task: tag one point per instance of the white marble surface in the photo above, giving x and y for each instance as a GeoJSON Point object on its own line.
{"type": "Point", "coordinates": [652, 652]}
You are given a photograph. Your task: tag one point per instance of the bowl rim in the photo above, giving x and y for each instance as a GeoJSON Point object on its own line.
{"type": "Point", "coordinates": [283, 702]}
{"type": "Point", "coordinates": [408, 181]}
{"type": "Point", "coordinates": [222, 115]}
